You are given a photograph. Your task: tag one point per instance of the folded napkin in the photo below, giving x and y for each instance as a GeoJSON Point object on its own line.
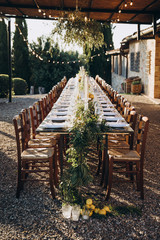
{"type": "Point", "coordinates": [106, 104]}
{"type": "Point", "coordinates": [53, 125]}
{"type": "Point", "coordinates": [62, 109]}
{"type": "Point", "coordinates": [107, 109]}
{"type": "Point", "coordinates": [57, 119]}
{"type": "Point", "coordinates": [109, 113]}
{"type": "Point", "coordinates": [112, 119]}
{"type": "Point", "coordinates": [117, 124]}
{"type": "Point", "coordinates": [62, 106]}
{"type": "Point", "coordinates": [61, 113]}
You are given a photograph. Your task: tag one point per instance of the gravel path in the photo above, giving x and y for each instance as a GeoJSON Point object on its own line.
{"type": "Point", "coordinates": [36, 216]}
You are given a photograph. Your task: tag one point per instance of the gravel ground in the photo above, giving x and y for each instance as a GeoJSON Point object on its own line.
{"type": "Point", "coordinates": [35, 215]}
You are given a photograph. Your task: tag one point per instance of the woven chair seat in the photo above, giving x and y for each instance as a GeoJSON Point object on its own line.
{"type": "Point", "coordinates": [41, 143]}
{"type": "Point", "coordinates": [118, 137]}
{"type": "Point", "coordinates": [118, 144]}
{"type": "Point", "coordinates": [124, 154]}
{"type": "Point", "coordinates": [37, 153]}
{"type": "Point", "coordinates": [46, 135]}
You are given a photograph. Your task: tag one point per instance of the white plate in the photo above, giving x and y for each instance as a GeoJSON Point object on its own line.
{"type": "Point", "coordinates": [53, 118]}
{"type": "Point", "coordinates": [109, 113]}
{"type": "Point", "coordinates": [108, 109]}
{"type": "Point", "coordinates": [53, 125]}
{"type": "Point", "coordinates": [112, 119]}
{"type": "Point", "coordinates": [61, 113]}
{"type": "Point", "coordinates": [117, 124]}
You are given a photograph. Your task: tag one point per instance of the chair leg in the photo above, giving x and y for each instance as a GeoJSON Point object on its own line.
{"type": "Point", "coordinates": [51, 180]}
{"type": "Point", "coordinates": [19, 181]}
{"type": "Point", "coordinates": [138, 176]}
{"type": "Point", "coordinates": [99, 161]}
{"type": "Point", "coordinates": [55, 167]}
{"type": "Point", "coordinates": [141, 184]}
{"type": "Point", "coordinates": [19, 188]}
{"type": "Point", "coordinates": [109, 186]}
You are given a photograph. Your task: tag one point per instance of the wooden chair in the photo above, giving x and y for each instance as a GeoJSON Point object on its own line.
{"type": "Point", "coordinates": [39, 162]}
{"type": "Point", "coordinates": [124, 140]}
{"type": "Point", "coordinates": [35, 115]}
{"type": "Point", "coordinates": [134, 158]}
{"type": "Point", "coordinates": [33, 142]}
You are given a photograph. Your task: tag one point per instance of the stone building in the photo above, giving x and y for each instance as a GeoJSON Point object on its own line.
{"type": "Point", "coordinates": [138, 58]}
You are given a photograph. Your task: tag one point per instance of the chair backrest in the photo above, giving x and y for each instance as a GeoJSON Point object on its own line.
{"type": "Point", "coordinates": [19, 132]}
{"type": "Point", "coordinates": [142, 136]}
{"type": "Point", "coordinates": [26, 126]}
{"type": "Point", "coordinates": [42, 109]}
{"type": "Point", "coordinates": [36, 117]}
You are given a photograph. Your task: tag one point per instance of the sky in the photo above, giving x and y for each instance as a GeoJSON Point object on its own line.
{"type": "Point", "coordinates": [37, 28]}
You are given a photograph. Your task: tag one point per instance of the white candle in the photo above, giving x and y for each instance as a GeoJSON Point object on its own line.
{"type": "Point", "coordinates": [85, 93]}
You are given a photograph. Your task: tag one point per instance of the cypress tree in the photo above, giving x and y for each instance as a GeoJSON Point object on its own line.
{"type": "Point", "coordinates": [101, 64]}
{"type": "Point", "coordinates": [21, 52]}
{"type": "Point", "coordinates": [3, 48]}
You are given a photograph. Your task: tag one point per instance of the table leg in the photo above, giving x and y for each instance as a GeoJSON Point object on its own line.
{"type": "Point", "coordinates": [105, 163]}
{"type": "Point", "coordinates": [61, 152]}
{"type": "Point", "coordinates": [106, 160]}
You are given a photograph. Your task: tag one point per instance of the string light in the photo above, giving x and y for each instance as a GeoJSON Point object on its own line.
{"type": "Point", "coordinates": [49, 61]}
{"type": "Point", "coordinates": [85, 19]}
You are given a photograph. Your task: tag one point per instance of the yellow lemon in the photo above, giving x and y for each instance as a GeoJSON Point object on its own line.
{"type": "Point", "coordinates": [89, 201]}
{"type": "Point", "coordinates": [92, 207]}
{"type": "Point", "coordinates": [107, 209]}
{"type": "Point", "coordinates": [88, 206]}
{"type": "Point", "coordinates": [96, 210]}
{"type": "Point", "coordinates": [102, 212]}
{"type": "Point", "coordinates": [90, 214]}
{"type": "Point", "coordinates": [91, 95]}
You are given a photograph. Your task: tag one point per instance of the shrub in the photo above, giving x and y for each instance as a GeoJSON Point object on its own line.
{"type": "Point", "coordinates": [19, 86]}
{"type": "Point", "coordinates": [4, 85]}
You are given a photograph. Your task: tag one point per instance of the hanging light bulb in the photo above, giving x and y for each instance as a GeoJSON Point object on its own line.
{"type": "Point", "coordinates": [44, 14]}
{"type": "Point", "coordinates": [119, 11]}
{"type": "Point", "coordinates": [85, 19]}
{"type": "Point", "coordinates": [131, 3]}
{"type": "Point", "coordinates": [125, 4]}
{"type": "Point", "coordinates": [39, 10]}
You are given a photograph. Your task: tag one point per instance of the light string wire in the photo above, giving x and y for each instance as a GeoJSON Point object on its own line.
{"type": "Point", "coordinates": [50, 61]}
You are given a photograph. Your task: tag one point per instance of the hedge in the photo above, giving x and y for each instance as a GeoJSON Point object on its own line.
{"type": "Point", "coordinates": [19, 86]}
{"type": "Point", "coordinates": [4, 85]}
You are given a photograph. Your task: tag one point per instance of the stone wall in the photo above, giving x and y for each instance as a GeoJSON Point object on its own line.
{"type": "Point", "coordinates": [147, 64]}
{"type": "Point", "coordinates": [116, 82]}
{"type": "Point", "coordinates": [157, 69]}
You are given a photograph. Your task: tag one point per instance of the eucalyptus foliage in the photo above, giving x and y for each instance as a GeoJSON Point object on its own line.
{"type": "Point", "coordinates": [83, 136]}
{"type": "Point", "coordinates": [79, 29]}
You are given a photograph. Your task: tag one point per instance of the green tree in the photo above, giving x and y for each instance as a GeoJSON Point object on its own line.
{"type": "Point", "coordinates": [3, 48]}
{"type": "Point", "coordinates": [50, 70]}
{"type": "Point", "coordinates": [98, 62]}
{"type": "Point", "coordinates": [21, 52]}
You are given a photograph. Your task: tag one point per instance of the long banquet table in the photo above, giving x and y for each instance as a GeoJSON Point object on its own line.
{"type": "Point", "coordinates": [61, 117]}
